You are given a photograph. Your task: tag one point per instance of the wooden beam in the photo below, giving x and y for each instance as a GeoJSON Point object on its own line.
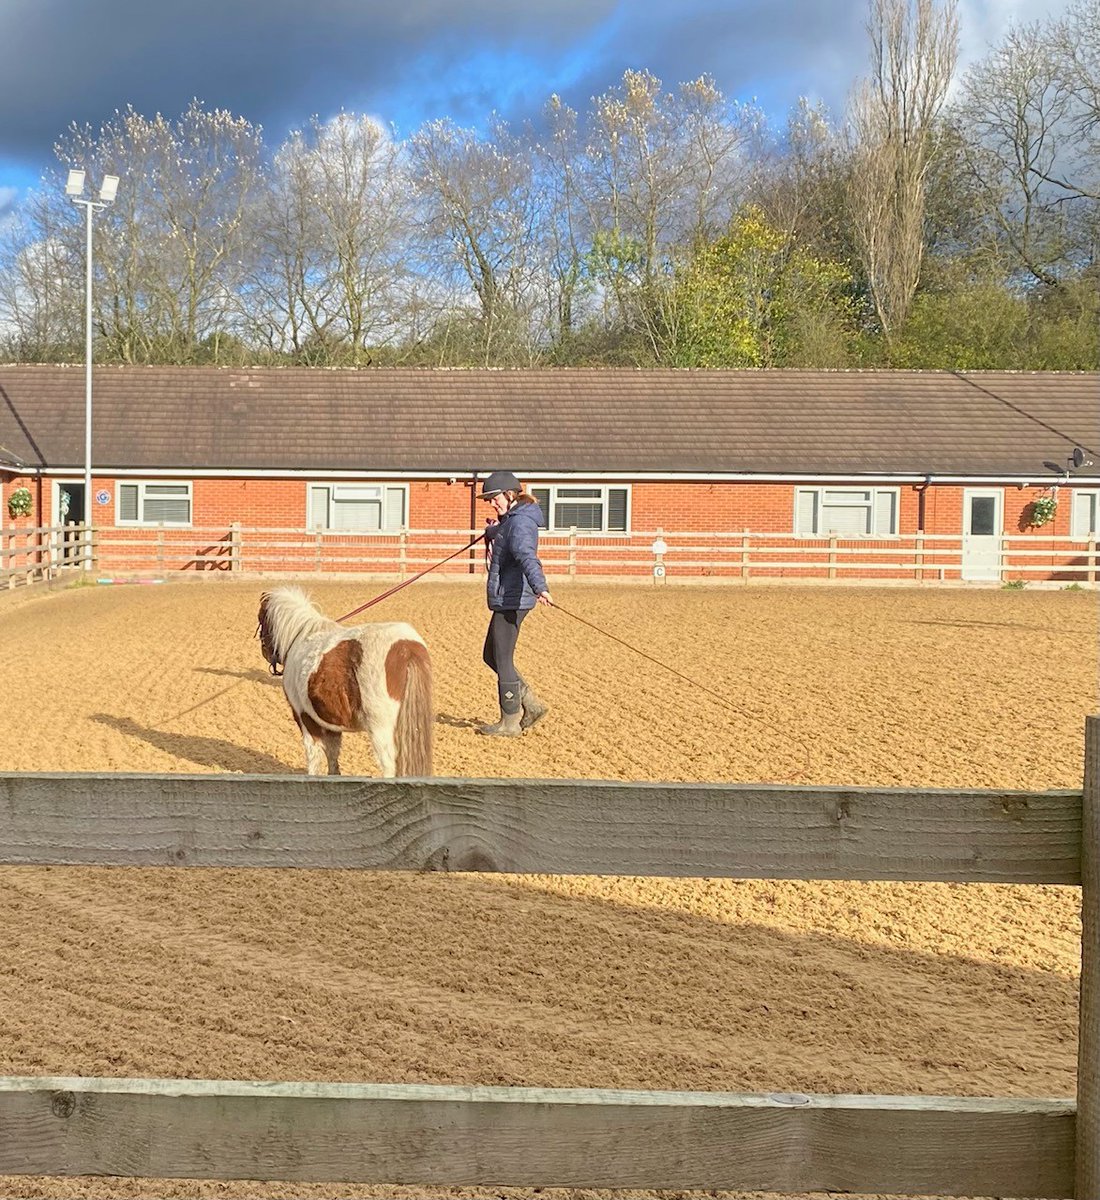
{"type": "Point", "coordinates": [540, 826]}
{"type": "Point", "coordinates": [533, 1137]}
{"type": "Point", "coordinates": [1088, 1044]}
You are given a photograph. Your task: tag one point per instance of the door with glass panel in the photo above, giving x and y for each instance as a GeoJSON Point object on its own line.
{"type": "Point", "coordinates": [68, 509]}
{"type": "Point", "coordinates": [983, 526]}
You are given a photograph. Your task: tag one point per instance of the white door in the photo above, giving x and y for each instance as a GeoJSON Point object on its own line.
{"type": "Point", "coordinates": [983, 525]}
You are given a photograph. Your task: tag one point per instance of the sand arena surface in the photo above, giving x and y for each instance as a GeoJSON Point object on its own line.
{"type": "Point", "coordinates": [626, 983]}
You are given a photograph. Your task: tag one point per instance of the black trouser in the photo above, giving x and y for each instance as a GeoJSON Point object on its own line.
{"type": "Point", "coordinates": [500, 643]}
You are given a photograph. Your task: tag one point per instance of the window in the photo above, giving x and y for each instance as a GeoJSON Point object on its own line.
{"type": "Point", "coordinates": [154, 504]}
{"type": "Point", "coordinates": [847, 512]}
{"type": "Point", "coordinates": [1085, 520]}
{"type": "Point", "coordinates": [357, 507]}
{"type": "Point", "coordinates": [592, 508]}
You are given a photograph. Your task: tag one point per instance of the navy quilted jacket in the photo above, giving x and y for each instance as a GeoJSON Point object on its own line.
{"type": "Point", "coordinates": [515, 573]}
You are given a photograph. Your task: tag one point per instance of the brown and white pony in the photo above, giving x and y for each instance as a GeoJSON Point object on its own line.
{"type": "Point", "coordinates": [339, 679]}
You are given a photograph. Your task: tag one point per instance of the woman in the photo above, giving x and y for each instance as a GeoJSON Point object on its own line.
{"type": "Point", "coordinates": [515, 585]}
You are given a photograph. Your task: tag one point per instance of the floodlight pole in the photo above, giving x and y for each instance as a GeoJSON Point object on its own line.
{"type": "Point", "coordinates": [88, 206]}
{"type": "Point", "coordinates": [75, 192]}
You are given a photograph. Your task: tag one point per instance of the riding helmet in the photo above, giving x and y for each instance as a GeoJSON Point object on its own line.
{"type": "Point", "coordinates": [497, 482]}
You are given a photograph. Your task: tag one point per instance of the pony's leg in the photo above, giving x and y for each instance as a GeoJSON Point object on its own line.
{"type": "Point", "coordinates": [313, 741]}
{"type": "Point", "coordinates": [381, 736]}
{"type": "Point", "coordinates": [332, 742]}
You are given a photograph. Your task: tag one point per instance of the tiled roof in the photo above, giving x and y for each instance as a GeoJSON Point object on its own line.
{"type": "Point", "coordinates": [784, 421]}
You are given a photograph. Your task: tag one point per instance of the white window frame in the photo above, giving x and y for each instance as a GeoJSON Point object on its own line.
{"type": "Point", "coordinates": [337, 485]}
{"type": "Point", "coordinates": [874, 492]}
{"type": "Point", "coordinates": [141, 485]}
{"type": "Point", "coordinates": [604, 489]}
{"type": "Point", "coordinates": [1075, 525]}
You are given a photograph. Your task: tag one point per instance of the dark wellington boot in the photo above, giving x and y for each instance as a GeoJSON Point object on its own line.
{"type": "Point", "coordinates": [533, 708]}
{"type": "Point", "coordinates": [511, 712]}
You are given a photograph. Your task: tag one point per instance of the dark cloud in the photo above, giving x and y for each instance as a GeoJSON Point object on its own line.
{"type": "Point", "coordinates": [273, 63]}
{"type": "Point", "coordinates": [765, 49]}
{"type": "Point", "coordinates": [406, 61]}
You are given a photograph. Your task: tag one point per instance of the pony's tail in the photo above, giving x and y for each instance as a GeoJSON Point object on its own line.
{"type": "Point", "coordinates": [413, 734]}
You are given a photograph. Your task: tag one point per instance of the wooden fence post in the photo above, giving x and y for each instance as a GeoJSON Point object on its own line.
{"type": "Point", "coordinates": [160, 549]}
{"type": "Point", "coordinates": [832, 556]}
{"type": "Point", "coordinates": [1088, 1044]}
{"type": "Point", "coordinates": [402, 553]}
{"type": "Point", "coordinates": [234, 546]}
{"type": "Point", "coordinates": [918, 561]}
{"type": "Point", "coordinates": [317, 550]}
{"type": "Point", "coordinates": [572, 551]}
{"type": "Point", "coordinates": [744, 554]}
{"type": "Point", "coordinates": [1090, 562]}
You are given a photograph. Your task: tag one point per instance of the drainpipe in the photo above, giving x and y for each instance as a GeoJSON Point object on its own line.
{"type": "Point", "coordinates": [921, 490]}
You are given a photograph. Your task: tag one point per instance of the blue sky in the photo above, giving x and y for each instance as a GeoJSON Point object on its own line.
{"type": "Point", "coordinates": [279, 62]}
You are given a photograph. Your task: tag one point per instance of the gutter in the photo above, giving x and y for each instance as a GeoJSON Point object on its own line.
{"type": "Point", "coordinates": [550, 475]}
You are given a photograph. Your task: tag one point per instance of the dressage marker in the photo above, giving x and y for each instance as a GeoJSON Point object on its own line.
{"type": "Point", "coordinates": [375, 678]}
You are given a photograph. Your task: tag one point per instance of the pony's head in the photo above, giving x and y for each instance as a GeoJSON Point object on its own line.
{"type": "Point", "coordinates": [285, 613]}
{"type": "Point", "coordinates": [265, 631]}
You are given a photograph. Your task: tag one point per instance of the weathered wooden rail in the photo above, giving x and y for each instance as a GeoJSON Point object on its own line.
{"type": "Point", "coordinates": [44, 553]}
{"type": "Point", "coordinates": [487, 1136]}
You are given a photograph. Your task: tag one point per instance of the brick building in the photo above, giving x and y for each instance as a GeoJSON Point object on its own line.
{"type": "Point", "coordinates": [772, 465]}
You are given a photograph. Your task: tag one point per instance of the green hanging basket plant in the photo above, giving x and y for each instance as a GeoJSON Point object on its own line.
{"type": "Point", "coordinates": [20, 502]}
{"type": "Point", "coordinates": [1043, 510]}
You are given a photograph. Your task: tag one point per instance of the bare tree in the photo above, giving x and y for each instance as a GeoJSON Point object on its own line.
{"type": "Point", "coordinates": [564, 230]}
{"type": "Point", "coordinates": [331, 242]}
{"type": "Point", "coordinates": [661, 171]}
{"type": "Point", "coordinates": [41, 277]}
{"type": "Point", "coordinates": [173, 240]}
{"type": "Point", "coordinates": [1076, 42]}
{"type": "Point", "coordinates": [1029, 114]}
{"type": "Point", "coordinates": [914, 49]}
{"type": "Point", "coordinates": [480, 211]}
{"type": "Point", "coordinates": [801, 185]}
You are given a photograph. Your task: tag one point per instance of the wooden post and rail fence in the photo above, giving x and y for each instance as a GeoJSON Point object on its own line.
{"type": "Point", "coordinates": [541, 1137]}
{"type": "Point", "coordinates": [34, 554]}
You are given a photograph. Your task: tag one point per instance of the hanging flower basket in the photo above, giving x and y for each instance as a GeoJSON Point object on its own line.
{"type": "Point", "coordinates": [20, 502]}
{"type": "Point", "coordinates": [1043, 510]}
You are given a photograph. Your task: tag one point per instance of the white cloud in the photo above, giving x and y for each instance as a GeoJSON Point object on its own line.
{"type": "Point", "coordinates": [983, 23]}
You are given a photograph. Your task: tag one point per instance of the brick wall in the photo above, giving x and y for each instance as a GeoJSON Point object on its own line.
{"type": "Point", "coordinates": [675, 507]}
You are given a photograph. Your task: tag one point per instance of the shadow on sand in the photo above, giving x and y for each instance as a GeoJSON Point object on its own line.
{"type": "Point", "coordinates": [205, 751]}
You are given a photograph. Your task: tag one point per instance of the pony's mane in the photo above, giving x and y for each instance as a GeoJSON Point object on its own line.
{"type": "Point", "coordinates": [289, 613]}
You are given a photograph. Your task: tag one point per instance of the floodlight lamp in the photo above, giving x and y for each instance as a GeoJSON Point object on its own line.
{"type": "Point", "coordinates": [75, 185]}
{"type": "Point", "coordinates": [109, 188]}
